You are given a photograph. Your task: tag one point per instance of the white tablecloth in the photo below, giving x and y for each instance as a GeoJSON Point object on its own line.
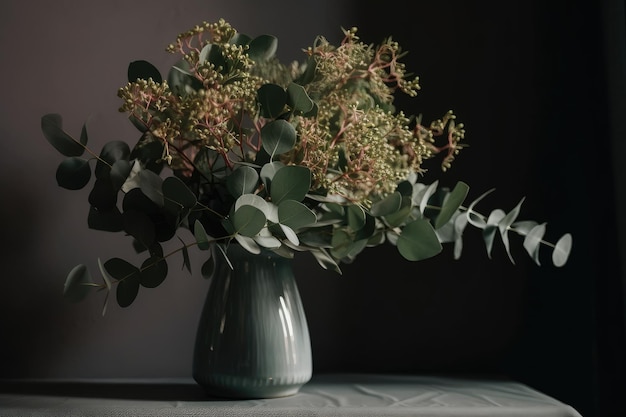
{"type": "Point", "coordinates": [325, 395]}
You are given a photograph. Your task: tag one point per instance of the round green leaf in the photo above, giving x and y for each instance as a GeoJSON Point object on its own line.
{"type": "Point", "coordinates": [212, 53]}
{"type": "Point", "coordinates": [177, 195]}
{"type": "Point", "coordinates": [386, 206]}
{"type": "Point", "coordinates": [278, 136]}
{"type": "Point", "coordinates": [150, 184]}
{"type": "Point", "coordinates": [397, 218]}
{"type": "Point", "coordinates": [341, 244]}
{"type": "Point", "coordinates": [111, 152]}
{"type": "Point", "coordinates": [356, 217]}
{"type": "Point", "coordinates": [243, 180]}
{"type": "Point", "coordinates": [240, 39]}
{"type": "Point", "coordinates": [248, 244]}
{"type": "Point", "coordinates": [102, 195]}
{"type": "Point", "coordinates": [143, 70]}
{"type": "Point", "coordinates": [254, 200]}
{"type": "Point", "coordinates": [119, 173]}
{"type": "Point", "coordinates": [298, 99]}
{"type": "Point", "coordinates": [153, 272]}
{"type": "Point", "coordinates": [181, 81]}
{"type": "Point", "coordinates": [272, 99]}
{"type": "Point", "coordinates": [295, 214]}
{"type": "Point", "coordinates": [263, 48]}
{"type": "Point", "coordinates": [73, 173]}
{"type": "Point", "coordinates": [248, 220]}
{"type": "Point", "coordinates": [127, 291]}
{"type": "Point", "coordinates": [291, 182]}
{"type": "Point", "coordinates": [418, 241]}
{"type": "Point", "coordinates": [120, 269]}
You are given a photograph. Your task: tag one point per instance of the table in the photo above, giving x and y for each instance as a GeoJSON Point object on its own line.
{"type": "Point", "coordinates": [325, 395]}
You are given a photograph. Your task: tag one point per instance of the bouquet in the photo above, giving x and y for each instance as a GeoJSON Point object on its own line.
{"type": "Point", "coordinates": [237, 147]}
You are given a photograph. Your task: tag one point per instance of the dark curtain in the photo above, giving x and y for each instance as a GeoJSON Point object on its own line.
{"type": "Point", "coordinates": [541, 87]}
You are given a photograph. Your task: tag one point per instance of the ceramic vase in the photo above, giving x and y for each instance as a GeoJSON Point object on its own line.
{"type": "Point", "coordinates": [252, 339]}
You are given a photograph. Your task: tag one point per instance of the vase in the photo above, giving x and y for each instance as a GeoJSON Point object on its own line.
{"type": "Point", "coordinates": [252, 339]}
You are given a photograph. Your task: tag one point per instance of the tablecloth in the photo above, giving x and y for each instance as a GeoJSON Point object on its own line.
{"type": "Point", "coordinates": [325, 395]}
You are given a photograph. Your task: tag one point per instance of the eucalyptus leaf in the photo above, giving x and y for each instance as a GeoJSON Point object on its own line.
{"type": "Point", "coordinates": [472, 216]}
{"type": "Point", "coordinates": [201, 236]}
{"type": "Point", "coordinates": [52, 128]}
{"type": "Point", "coordinates": [248, 244]}
{"type": "Point", "coordinates": [240, 39]}
{"type": "Point", "coordinates": [143, 70]}
{"type": "Point", "coordinates": [400, 216]}
{"type": "Point", "coordinates": [181, 81]}
{"type": "Point", "coordinates": [176, 195]}
{"type": "Point", "coordinates": [491, 229]}
{"type": "Point", "coordinates": [418, 241]}
{"type": "Point", "coordinates": [248, 220]}
{"type": "Point", "coordinates": [562, 250]}
{"type": "Point", "coordinates": [268, 171]}
{"type": "Point", "coordinates": [120, 171]}
{"type": "Point", "coordinates": [76, 285]}
{"type": "Point", "coordinates": [298, 99]}
{"type": "Point", "coordinates": [388, 205]}
{"type": "Point", "coordinates": [291, 182]}
{"type": "Point", "coordinates": [151, 186]}
{"type": "Point", "coordinates": [459, 226]}
{"type": "Point", "coordinates": [243, 180]}
{"type": "Point", "coordinates": [127, 291]}
{"type": "Point", "coordinates": [73, 173]}
{"type": "Point", "coordinates": [452, 203]}
{"type": "Point", "coordinates": [263, 47]}
{"type": "Point", "coordinates": [341, 243]}
{"type": "Point", "coordinates": [356, 217]}
{"type": "Point", "coordinates": [105, 275]}
{"type": "Point", "coordinates": [532, 241]}
{"type": "Point", "coordinates": [428, 192]}
{"type": "Point", "coordinates": [267, 240]}
{"type": "Point", "coordinates": [524, 227]}
{"type": "Point", "coordinates": [153, 272]}
{"type": "Point", "coordinates": [120, 269]}
{"type": "Point", "coordinates": [255, 201]}
{"type": "Point", "coordinates": [111, 152]}
{"type": "Point", "coordinates": [105, 220]}
{"type": "Point", "coordinates": [186, 258]}
{"type": "Point", "coordinates": [290, 234]}
{"type": "Point", "coordinates": [295, 215]}
{"type": "Point", "coordinates": [102, 195]}
{"type": "Point", "coordinates": [278, 137]}
{"type": "Point", "coordinates": [504, 225]}
{"type": "Point", "coordinates": [272, 98]}
{"type": "Point", "coordinates": [325, 260]}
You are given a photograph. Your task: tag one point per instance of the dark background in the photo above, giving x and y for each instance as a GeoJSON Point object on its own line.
{"type": "Point", "coordinates": [540, 88]}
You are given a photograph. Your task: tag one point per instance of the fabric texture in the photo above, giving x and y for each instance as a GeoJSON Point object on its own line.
{"type": "Point", "coordinates": [325, 395]}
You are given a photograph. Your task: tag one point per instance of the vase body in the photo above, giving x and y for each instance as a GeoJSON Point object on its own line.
{"type": "Point", "coordinates": [252, 339]}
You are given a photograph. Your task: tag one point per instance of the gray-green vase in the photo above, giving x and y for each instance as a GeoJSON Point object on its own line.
{"type": "Point", "coordinates": [253, 339]}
